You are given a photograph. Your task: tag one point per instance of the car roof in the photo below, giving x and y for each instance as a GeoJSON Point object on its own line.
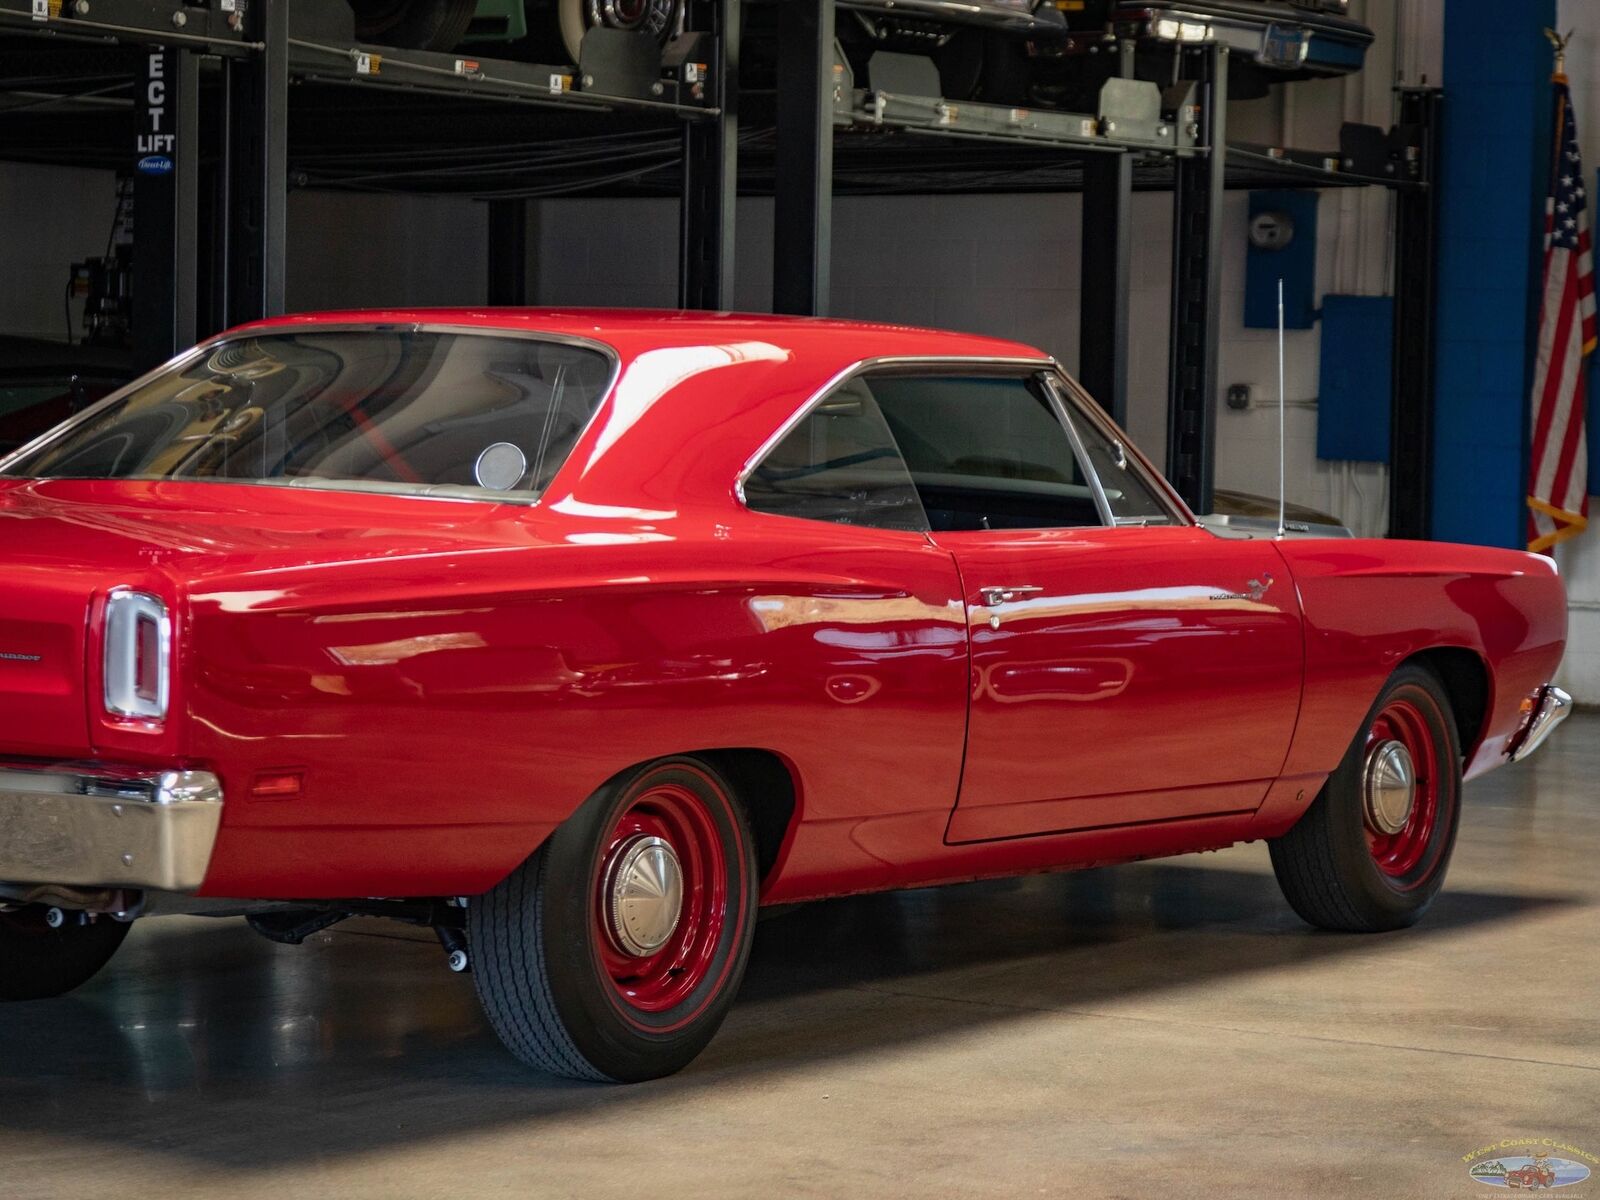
{"type": "Point", "coordinates": [633, 331]}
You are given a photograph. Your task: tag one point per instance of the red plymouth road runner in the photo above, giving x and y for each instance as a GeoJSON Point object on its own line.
{"type": "Point", "coordinates": [579, 635]}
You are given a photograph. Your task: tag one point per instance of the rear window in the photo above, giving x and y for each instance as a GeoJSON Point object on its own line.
{"type": "Point", "coordinates": [377, 409]}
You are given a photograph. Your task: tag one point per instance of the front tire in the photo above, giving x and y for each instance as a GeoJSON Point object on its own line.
{"type": "Point", "coordinates": [614, 952]}
{"type": "Point", "coordinates": [1371, 852]}
{"type": "Point", "coordinates": [38, 962]}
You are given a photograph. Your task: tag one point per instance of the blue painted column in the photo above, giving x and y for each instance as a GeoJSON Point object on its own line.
{"type": "Point", "coordinates": [1496, 145]}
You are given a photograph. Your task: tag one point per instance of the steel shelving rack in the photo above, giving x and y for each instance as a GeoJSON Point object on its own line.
{"type": "Point", "coordinates": [254, 97]}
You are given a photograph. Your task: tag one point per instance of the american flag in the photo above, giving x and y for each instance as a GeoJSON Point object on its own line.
{"type": "Point", "coordinates": [1558, 483]}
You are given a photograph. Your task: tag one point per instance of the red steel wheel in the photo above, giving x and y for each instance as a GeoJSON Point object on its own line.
{"type": "Point", "coordinates": [661, 898]}
{"type": "Point", "coordinates": [1370, 852]}
{"type": "Point", "coordinates": [1400, 789]}
{"type": "Point", "coordinates": [615, 951]}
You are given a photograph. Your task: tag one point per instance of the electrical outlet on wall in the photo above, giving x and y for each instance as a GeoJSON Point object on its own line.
{"type": "Point", "coordinates": [1239, 396]}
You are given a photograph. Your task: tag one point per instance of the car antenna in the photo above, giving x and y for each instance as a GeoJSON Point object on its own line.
{"type": "Point", "coordinates": [1283, 526]}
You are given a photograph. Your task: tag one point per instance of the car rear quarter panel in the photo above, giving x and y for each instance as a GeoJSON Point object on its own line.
{"type": "Point", "coordinates": [1371, 605]}
{"type": "Point", "coordinates": [445, 715]}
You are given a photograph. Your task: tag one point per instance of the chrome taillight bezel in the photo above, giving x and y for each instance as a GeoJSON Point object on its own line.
{"type": "Point", "coordinates": [129, 616]}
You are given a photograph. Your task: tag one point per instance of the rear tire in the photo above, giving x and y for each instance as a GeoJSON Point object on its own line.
{"type": "Point", "coordinates": [607, 957]}
{"type": "Point", "coordinates": [1360, 860]}
{"type": "Point", "coordinates": [40, 963]}
{"type": "Point", "coordinates": [414, 24]}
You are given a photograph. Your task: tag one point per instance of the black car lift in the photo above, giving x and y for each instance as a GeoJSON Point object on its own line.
{"type": "Point", "coordinates": [240, 100]}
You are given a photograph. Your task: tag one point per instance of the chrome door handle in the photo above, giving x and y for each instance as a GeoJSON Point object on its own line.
{"type": "Point", "coordinates": [1005, 595]}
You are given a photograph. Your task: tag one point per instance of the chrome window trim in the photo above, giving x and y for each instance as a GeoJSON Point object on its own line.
{"type": "Point", "coordinates": [1078, 402]}
{"type": "Point", "coordinates": [998, 365]}
{"type": "Point", "coordinates": [416, 491]}
{"type": "Point", "coordinates": [1058, 403]}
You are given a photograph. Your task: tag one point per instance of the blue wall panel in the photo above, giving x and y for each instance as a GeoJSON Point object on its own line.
{"type": "Point", "coordinates": [1295, 264]}
{"type": "Point", "coordinates": [1357, 386]}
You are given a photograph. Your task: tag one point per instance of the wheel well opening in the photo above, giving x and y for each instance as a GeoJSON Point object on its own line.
{"type": "Point", "coordinates": [1466, 681]}
{"type": "Point", "coordinates": [762, 783]}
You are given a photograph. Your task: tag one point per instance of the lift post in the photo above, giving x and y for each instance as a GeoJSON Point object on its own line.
{"type": "Point", "coordinates": [1416, 244]}
{"type": "Point", "coordinates": [258, 164]}
{"type": "Point", "coordinates": [508, 252]}
{"type": "Point", "coordinates": [166, 168]}
{"type": "Point", "coordinates": [1106, 270]}
{"type": "Point", "coordinates": [710, 188]}
{"type": "Point", "coordinates": [802, 236]}
{"type": "Point", "coordinates": [1197, 195]}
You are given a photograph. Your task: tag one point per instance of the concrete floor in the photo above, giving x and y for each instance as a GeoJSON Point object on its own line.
{"type": "Point", "coordinates": [1155, 1030]}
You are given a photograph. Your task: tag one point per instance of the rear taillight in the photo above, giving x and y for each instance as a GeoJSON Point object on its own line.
{"type": "Point", "coordinates": [138, 655]}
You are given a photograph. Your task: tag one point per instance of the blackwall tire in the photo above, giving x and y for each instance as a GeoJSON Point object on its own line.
{"type": "Point", "coordinates": [413, 24]}
{"type": "Point", "coordinates": [579, 983]}
{"type": "Point", "coordinates": [38, 962]}
{"type": "Point", "coordinates": [1354, 865]}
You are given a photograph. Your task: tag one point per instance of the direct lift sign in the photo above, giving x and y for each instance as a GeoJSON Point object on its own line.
{"type": "Point", "coordinates": [157, 137]}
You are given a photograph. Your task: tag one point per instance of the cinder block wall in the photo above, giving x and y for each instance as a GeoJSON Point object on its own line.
{"type": "Point", "coordinates": [1006, 265]}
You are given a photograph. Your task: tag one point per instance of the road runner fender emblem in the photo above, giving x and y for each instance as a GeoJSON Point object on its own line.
{"type": "Point", "coordinates": [12, 656]}
{"type": "Point", "coordinates": [1255, 592]}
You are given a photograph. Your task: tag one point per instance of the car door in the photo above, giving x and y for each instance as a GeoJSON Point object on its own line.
{"type": "Point", "coordinates": [1126, 665]}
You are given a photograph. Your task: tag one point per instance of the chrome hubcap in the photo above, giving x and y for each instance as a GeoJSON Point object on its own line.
{"type": "Point", "coordinates": [1390, 787]}
{"type": "Point", "coordinates": [644, 895]}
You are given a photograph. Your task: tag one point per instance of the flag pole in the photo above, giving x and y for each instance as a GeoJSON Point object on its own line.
{"type": "Point", "coordinates": [1561, 44]}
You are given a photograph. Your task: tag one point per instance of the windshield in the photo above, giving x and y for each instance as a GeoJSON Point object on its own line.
{"type": "Point", "coordinates": [377, 409]}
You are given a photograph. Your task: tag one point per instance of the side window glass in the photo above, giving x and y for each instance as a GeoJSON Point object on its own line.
{"type": "Point", "coordinates": [987, 452]}
{"type": "Point", "coordinates": [1129, 496]}
{"type": "Point", "coordinates": [839, 464]}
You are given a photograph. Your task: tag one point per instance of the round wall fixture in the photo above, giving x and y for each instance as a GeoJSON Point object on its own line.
{"type": "Point", "coordinates": [500, 467]}
{"type": "Point", "coordinates": [1271, 230]}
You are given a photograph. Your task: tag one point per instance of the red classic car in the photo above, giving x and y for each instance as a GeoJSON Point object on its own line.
{"type": "Point", "coordinates": [1531, 1175]}
{"type": "Point", "coordinates": [579, 635]}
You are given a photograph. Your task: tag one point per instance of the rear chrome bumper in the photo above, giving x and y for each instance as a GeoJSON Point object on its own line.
{"type": "Point", "coordinates": [94, 827]}
{"type": "Point", "coordinates": [1546, 708]}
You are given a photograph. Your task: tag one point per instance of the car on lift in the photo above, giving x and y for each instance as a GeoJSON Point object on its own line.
{"type": "Point", "coordinates": [579, 635]}
{"type": "Point", "coordinates": [1272, 41]}
{"type": "Point", "coordinates": [553, 27]}
{"type": "Point", "coordinates": [1043, 52]}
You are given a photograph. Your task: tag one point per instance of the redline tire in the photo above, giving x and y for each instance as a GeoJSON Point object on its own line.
{"type": "Point", "coordinates": [1337, 867]}
{"type": "Point", "coordinates": [558, 984]}
{"type": "Point", "coordinates": [40, 963]}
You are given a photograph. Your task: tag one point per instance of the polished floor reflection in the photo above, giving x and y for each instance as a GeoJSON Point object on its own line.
{"type": "Point", "coordinates": [1166, 1028]}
